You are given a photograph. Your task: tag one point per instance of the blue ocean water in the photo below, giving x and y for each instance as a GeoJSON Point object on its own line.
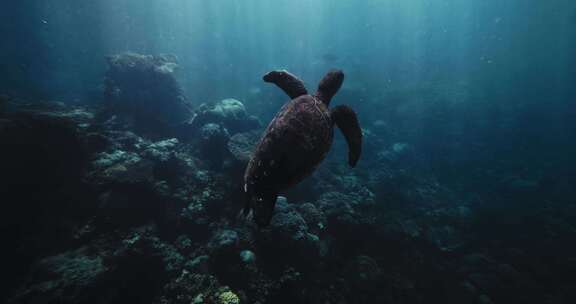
{"type": "Point", "coordinates": [127, 126]}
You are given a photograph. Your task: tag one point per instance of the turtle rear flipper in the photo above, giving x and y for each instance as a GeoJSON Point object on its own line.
{"type": "Point", "coordinates": [286, 81]}
{"type": "Point", "coordinates": [345, 118]}
{"type": "Point", "coordinates": [260, 208]}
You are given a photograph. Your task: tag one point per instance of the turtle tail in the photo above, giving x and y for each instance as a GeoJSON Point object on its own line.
{"type": "Point", "coordinates": [258, 207]}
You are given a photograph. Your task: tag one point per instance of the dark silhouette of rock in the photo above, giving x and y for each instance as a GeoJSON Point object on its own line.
{"type": "Point", "coordinates": [143, 90]}
{"type": "Point", "coordinates": [212, 143]}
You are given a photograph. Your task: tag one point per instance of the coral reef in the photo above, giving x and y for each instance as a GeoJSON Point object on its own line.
{"type": "Point", "coordinates": [100, 213]}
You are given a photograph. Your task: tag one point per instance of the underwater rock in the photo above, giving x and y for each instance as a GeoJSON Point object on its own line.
{"type": "Point", "coordinates": [282, 203]}
{"type": "Point", "coordinates": [224, 250]}
{"type": "Point", "coordinates": [349, 243]}
{"type": "Point", "coordinates": [133, 171]}
{"type": "Point", "coordinates": [107, 159]}
{"type": "Point", "coordinates": [42, 164]}
{"type": "Point", "coordinates": [241, 145]}
{"type": "Point", "coordinates": [290, 225]}
{"type": "Point", "coordinates": [228, 297]}
{"type": "Point", "coordinates": [189, 287]}
{"type": "Point", "coordinates": [289, 237]}
{"type": "Point", "coordinates": [213, 139]}
{"type": "Point", "coordinates": [184, 245]}
{"type": "Point", "coordinates": [144, 90]}
{"type": "Point", "coordinates": [142, 245]}
{"type": "Point", "coordinates": [212, 132]}
{"type": "Point", "coordinates": [229, 112]}
{"type": "Point", "coordinates": [123, 140]}
{"type": "Point", "coordinates": [127, 185]}
{"type": "Point", "coordinates": [199, 264]}
{"type": "Point", "coordinates": [37, 148]}
{"type": "Point", "coordinates": [230, 109]}
{"type": "Point", "coordinates": [224, 241]}
{"type": "Point", "coordinates": [248, 257]}
{"type": "Point", "coordinates": [179, 170]}
{"type": "Point", "coordinates": [130, 205]}
{"type": "Point", "coordinates": [71, 277]}
{"type": "Point", "coordinates": [114, 268]}
{"type": "Point", "coordinates": [315, 219]}
{"type": "Point", "coordinates": [335, 204]}
{"type": "Point", "coordinates": [161, 151]}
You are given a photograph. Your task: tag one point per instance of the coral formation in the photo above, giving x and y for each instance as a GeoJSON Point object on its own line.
{"type": "Point", "coordinates": [241, 145]}
{"type": "Point", "coordinates": [100, 213]}
{"type": "Point", "coordinates": [229, 112]}
{"type": "Point", "coordinates": [228, 297]}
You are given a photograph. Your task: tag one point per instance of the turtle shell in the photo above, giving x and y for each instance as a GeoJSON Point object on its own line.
{"type": "Point", "coordinates": [294, 143]}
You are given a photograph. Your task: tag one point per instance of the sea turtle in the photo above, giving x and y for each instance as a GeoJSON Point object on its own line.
{"type": "Point", "coordinates": [296, 141]}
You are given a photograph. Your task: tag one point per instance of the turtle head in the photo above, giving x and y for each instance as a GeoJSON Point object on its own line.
{"type": "Point", "coordinates": [276, 76]}
{"type": "Point", "coordinates": [329, 85]}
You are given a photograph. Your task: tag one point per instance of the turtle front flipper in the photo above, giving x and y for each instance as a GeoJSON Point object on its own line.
{"type": "Point", "coordinates": [286, 81]}
{"type": "Point", "coordinates": [345, 118]}
{"type": "Point", "coordinates": [329, 85]}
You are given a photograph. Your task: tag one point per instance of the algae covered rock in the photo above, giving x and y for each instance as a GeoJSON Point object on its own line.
{"type": "Point", "coordinates": [289, 236]}
{"type": "Point", "coordinates": [248, 257]}
{"type": "Point", "coordinates": [231, 109]}
{"type": "Point", "coordinates": [228, 112]}
{"type": "Point", "coordinates": [228, 297]}
{"type": "Point", "coordinates": [127, 266]}
{"type": "Point", "coordinates": [161, 151]}
{"type": "Point", "coordinates": [65, 278]}
{"type": "Point", "coordinates": [241, 145]}
{"type": "Point", "coordinates": [144, 89]}
{"type": "Point", "coordinates": [225, 240]}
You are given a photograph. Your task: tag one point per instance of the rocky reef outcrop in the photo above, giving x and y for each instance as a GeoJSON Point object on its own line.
{"type": "Point", "coordinates": [143, 96]}
{"type": "Point", "coordinates": [96, 211]}
{"type": "Point", "coordinates": [143, 90]}
{"type": "Point", "coordinates": [230, 113]}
